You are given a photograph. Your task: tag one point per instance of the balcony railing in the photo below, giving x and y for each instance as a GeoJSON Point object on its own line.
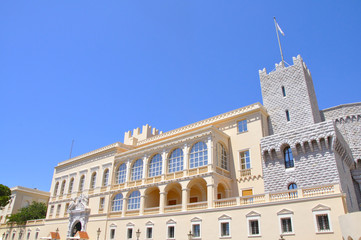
{"type": "Point", "coordinates": [173, 208]}
{"type": "Point", "coordinates": [278, 196]}
{"type": "Point", "coordinates": [153, 210]}
{"type": "Point", "coordinates": [245, 172]}
{"type": "Point", "coordinates": [197, 205]}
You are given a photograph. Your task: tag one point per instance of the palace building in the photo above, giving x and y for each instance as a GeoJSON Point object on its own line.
{"type": "Point", "coordinates": [284, 169]}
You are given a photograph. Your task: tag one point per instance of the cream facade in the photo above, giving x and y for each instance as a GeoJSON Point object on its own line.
{"type": "Point", "coordinates": [259, 172]}
{"type": "Point", "coordinates": [22, 197]}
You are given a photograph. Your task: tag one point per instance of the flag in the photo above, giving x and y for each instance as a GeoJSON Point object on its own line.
{"type": "Point", "coordinates": [279, 29]}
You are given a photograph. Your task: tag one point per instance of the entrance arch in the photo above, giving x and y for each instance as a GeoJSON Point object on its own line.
{"type": "Point", "coordinates": [76, 228]}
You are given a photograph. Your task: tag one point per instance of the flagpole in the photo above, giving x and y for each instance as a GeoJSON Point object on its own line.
{"type": "Point", "coordinates": [279, 42]}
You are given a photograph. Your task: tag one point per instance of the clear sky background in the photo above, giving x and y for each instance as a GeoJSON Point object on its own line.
{"type": "Point", "coordinates": [91, 70]}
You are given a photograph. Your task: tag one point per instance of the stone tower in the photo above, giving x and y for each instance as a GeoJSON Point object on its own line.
{"type": "Point", "coordinates": [289, 96]}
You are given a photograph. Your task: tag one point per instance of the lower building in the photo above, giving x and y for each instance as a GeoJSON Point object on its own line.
{"type": "Point", "coordinates": [284, 169]}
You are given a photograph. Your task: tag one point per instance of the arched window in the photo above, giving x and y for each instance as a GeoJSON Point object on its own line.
{"type": "Point", "coordinates": [81, 183]}
{"type": "Point", "coordinates": [105, 177]}
{"type": "Point", "coordinates": [199, 155]}
{"type": "Point", "coordinates": [289, 163]}
{"type": "Point", "coordinates": [71, 183]}
{"type": "Point", "coordinates": [155, 166]}
{"type": "Point", "coordinates": [56, 188]}
{"type": "Point", "coordinates": [121, 173]}
{"type": "Point", "coordinates": [134, 200]}
{"type": "Point", "coordinates": [62, 187]}
{"type": "Point", "coordinates": [117, 203]}
{"type": "Point", "coordinates": [222, 156]}
{"type": "Point", "coordinates": [175, 161]}
{"type": "Point", "coordinates": [93, 180]}
{"type": "Point", "coordinates": [137, 170]}
{"type": "Point", "coordinates": [292, 186]}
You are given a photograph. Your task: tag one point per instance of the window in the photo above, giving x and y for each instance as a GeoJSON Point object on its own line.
{"type": "Point", "coordinates": [36, 235]}
{"type": "Point", "coordinates": [323, 224]}
{"type": "Point", "coordinates": [66, 209]}
{"type": "Point", "coordinates": [287, 115]}
{"type": "Point", "coordinates": [13, 237]}
{"type": "Point", "coordinates": [130, 233]}
{"type": "Point", "coordinates": [134, 200]}
{"type": "Point", "coordinates": [171, 232]}
{"type": "Point", "coordinates": [137, 170]}
{"type": "Point", "coordinates": [196, 230]}
{"type": "Point", "coordinates": [112, 233]}
{"type": "Point", "coordinates": [287, 153]}
{"type": "Point", "coordinates": [93, 180]}
{"type": "Point", "coordinates": [81, 183]}
{"type": "Point", "coordinates": [253, 227]}
{"type": "Point", "coordinates": [51, 210]}
{"type": "Point", "coordinates": [245, 160]}
{"type": "Point", "coordinates": [56, 189]}
{"type": "Point", "coordinates": [28, 236]}
{"type": "Point", "coordinates": [105, 177]}
{"type": "Point", "coordinates": [117, 203]}
{"type": "Point", "coordinates": [175, 161]}
{"type": "Point", "coordinates": [149, 233]}
{"type": "Point", "coordinates": [101, 203]}
{"type": "Point", "coordinates": [222, 156]}
{"type": "Point", "coordinates": [122, 173]}
{"type": "Point", "coordinates": [225, 229]}
{"type": "Point", "coordinates": [155, 166]}
{"type": "Point", "coordinates": [286, 225]}
{"type": "Point", "coordinates": [199, 155]}
{"type": "Point", "coordinates": [58, 210]}
{"type": "Point", "coordinates": [71, 183]}
{"type": "Point", "coordinates": [292, 186]}
{"type": "Point", "coordinates": [283, 91]}
{"type": "Point", "coordinates": [242, 126]}
{"type": "Point", "coordinates": [62, 188]}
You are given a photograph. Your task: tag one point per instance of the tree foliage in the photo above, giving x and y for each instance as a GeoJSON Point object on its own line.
{"type": "Point", "coordinates": [5, 194]}
{"type": "Point", "coordinates": [36, 210]}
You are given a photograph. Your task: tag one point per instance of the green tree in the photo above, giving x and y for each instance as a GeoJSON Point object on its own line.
{"type": "Point", "coordinates": [35, 210]}
{"type": "Point", "coordinates": [5, 194]}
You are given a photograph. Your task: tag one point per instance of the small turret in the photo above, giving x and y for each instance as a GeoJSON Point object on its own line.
{"type": "Point", "coordinates": [147, 132]}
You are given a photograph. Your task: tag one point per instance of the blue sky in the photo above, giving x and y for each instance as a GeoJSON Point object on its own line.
{"type": "Point", "coordinates": [91, 70]}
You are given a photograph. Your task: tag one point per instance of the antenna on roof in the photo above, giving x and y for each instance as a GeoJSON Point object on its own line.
{"type": "Point", "coordinates": [71, 149]}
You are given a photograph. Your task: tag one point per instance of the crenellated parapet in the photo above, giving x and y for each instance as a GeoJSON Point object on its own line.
{"type": "Point", "coordinates": [301, 141]}
{"type": "Point", "coordinates": [137, 135]}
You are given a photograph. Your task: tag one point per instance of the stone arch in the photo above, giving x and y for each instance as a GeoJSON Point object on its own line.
{"type": "Point", "coordinates": [222, 190]}
{"type": "Point", "coordinates": [197, 190]}
{"type": "Point", "coordinates": [152, 197]}
{"type": "Point", "coordinates": [174, 194]}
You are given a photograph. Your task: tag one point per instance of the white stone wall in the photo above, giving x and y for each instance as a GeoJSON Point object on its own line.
{"type": "Point", "coordinates": [313, 155]}
{"type": "Point", "coordinates": [348, 121]}
{"type": "Point", "coordinates": [300, 99]}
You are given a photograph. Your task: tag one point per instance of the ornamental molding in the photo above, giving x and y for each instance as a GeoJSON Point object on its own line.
{"type": "Point", "coordinates": [320, 207]}
{"type": "Point", "coordinates": [253, 214]}
{"type": "Point", "coordinates": [169, 145]}
{"type": "Point", "coordinates": [221, 117]}
{"type": "Point", "coordinates": [284, 211]}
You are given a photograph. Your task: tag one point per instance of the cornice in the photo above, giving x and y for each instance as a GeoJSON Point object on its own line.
{"type": "Point", "coordinates": [115, 146]}
{"type": "Point", "coordinates": [167, 143]}
{"type": "Point", "coordinates": [228, 115]}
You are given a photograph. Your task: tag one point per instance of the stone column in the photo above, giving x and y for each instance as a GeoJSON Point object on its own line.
{"type": "Point", "coordinates": [125, 206]}
{"type": "Point", "coordinates": [128, 177]}
{"type": "Point", "coordinates": [145, 167]}
{"type": "Point", "coordinates": [142, 205]}
{"type": "Point", "coordinates": [210, 195]}
{"type": "Point", "coordinates": [210, 153]}
{"type": "Point", "coordinates": [185, 198]}
{"type": "Point", "coordinates": [185, 159]}
{"type": "Point", "coordinates": [162, 198]}
{"type": "Point", "coordinates": [164, 164]}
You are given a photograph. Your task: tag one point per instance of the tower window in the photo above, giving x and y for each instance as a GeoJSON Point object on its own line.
{"type": "Point", "coordinates": [283, 91]}
{"type": "Point", "coordinates": [287, 116]}
{"type": "Point", "coordinates": [287, 153]}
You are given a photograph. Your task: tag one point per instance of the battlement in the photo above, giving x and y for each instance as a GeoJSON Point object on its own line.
{"type": "Point", "coordinates": [147, 132]}
{"type": "Point", "coordinates": [280, 66]}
